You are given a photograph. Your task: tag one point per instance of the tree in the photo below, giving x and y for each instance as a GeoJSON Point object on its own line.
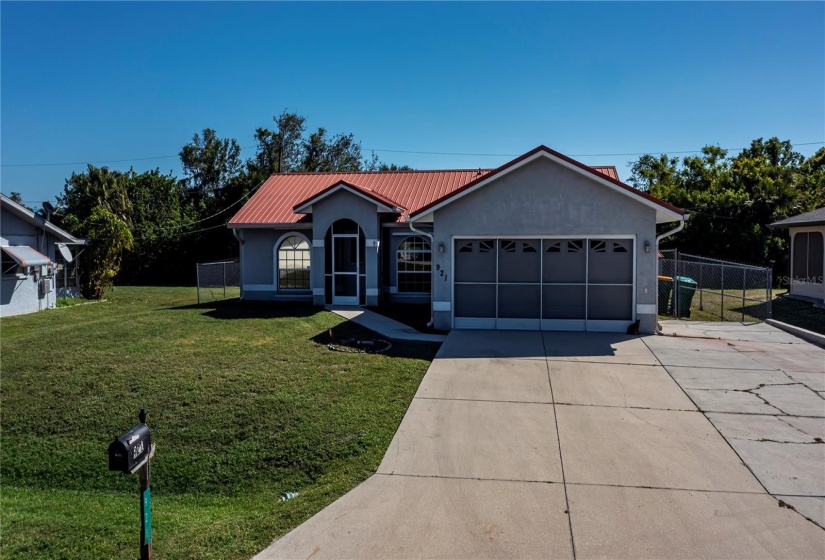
{"type": "Point", "coordinates": [279, 150]}
{"type": "Point", "coordinates": [97, 207]}
{"type": "Point", "coordinates": [98, 186]}
{"type": "Point", "coordinates": [338, 153]}
{"type": "Point", "coordinates": [288, 149]}
{"type": "Point", "coordinates": [16, 197]}
{"type": "Point", "coordinates": [160, 214]}
{"type": "Point", "coordinates": [731, 200]}
{"type": "Point", "coordinates": [108, 238]}
{"type": "Point", "coordinates": [209, 163]}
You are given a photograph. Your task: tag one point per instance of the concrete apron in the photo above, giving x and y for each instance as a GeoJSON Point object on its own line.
{"type": "Point", "coordinates": [554, 445]}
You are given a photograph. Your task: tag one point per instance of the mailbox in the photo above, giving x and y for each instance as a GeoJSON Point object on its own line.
{"type": "Point", "coordinates": [128, 452]}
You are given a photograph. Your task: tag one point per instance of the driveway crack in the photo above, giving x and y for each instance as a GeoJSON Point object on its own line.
{"type": "Point", "coordinates": [561, 457]}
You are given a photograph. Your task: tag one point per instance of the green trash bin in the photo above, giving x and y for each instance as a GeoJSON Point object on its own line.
{"type": "Point", "coordinates": [665, 289]}
{"type": "Point", "coordinates": [687, 287]}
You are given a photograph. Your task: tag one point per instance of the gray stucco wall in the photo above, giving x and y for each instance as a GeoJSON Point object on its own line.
{"type": "Point", "coordinates": [19, 293]}
{"type": "Point", "coordinates": [544, 198]}
{"type": "Point", "coordinates": [258, 264]}
{"type": "Point", "coordinates": [337, 206]}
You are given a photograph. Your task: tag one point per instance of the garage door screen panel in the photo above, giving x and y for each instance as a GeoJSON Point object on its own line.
{"type": "Point", "coordinates": [564, 278]}
{"type": "Point", "coordinates": [475, 261]}
{"type": "Point", "coordinates": [564, 302]}
{"type": "Point", "coordinates": [475, 300]}
{"type": "Point", "coordinates": [610, 303]}
{"type": "Point", "coordinates": [610, 261]}
{"type": "Point", "coordinates": [551, 283]}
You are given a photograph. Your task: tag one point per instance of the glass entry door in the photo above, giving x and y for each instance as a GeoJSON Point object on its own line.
{"type": "Point", "coordinates": [345, 259]}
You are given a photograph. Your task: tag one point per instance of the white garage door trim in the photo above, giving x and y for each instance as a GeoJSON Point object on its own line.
{"type": "Point", "coordinates": [541, 323]}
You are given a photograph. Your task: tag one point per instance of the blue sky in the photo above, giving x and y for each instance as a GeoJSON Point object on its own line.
{"type": "Point", "coordinates": [114, 81]}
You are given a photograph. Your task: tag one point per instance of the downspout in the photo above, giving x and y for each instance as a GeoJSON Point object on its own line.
{"type": "Point", "coordinates": [659, 238]}
{"type": "Point", "coordinates": [432, 269]}
{"type": "Point", "coordinates": [239, 237]}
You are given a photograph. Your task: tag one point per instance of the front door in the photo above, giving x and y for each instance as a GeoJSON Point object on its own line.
{"type": "Point", "coordinates": [345, 259]}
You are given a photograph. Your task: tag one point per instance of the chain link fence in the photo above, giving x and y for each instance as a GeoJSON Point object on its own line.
{"type": "Point", "coordinates": [218, 280]}
{"type": "Point", "coordinates": [703, 289]}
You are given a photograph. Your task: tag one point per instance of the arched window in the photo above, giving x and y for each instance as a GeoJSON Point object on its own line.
{"type": "Point", "coordinates": [293, 263]}
{"type": "Point", "coordinates": [415, 265]}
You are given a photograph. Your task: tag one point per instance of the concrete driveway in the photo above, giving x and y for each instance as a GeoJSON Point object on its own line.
{"type": "Point", "coordinates": [581, 445]}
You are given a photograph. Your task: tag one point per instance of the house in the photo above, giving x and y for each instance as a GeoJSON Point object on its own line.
{"type": "Point", "coordinates": [40, 261]}
{"type": "Point", "coordinates": [542, 242]}
{"type": "Point", "coordinates": [807, 254]}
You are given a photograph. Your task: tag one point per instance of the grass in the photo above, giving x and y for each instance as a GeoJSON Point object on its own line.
{"type": "Point", "coordinates": [709, 305]}
{"type": "Point", "coordinates": [69, 301]}
{"type": "Point", "coordinates": [244, 400]}
{"type": "Point", "coordinates": [788, 310]}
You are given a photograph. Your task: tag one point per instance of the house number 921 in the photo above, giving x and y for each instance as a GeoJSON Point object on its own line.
{"type": "Point", "coordinates": [441, 272]}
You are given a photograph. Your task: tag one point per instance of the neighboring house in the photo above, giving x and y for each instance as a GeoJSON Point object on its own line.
{"type": "Point", "coordinates": [542, 242]}
{"type": "Point", "coordinates": [40, 261]}
{"type": "Point", "coordinates": [807, 254]}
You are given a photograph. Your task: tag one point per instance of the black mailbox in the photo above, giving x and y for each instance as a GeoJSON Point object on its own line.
{"type": "Point", "coordinates": [130, 450]}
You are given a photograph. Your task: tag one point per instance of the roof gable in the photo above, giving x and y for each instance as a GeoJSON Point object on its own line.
{"type": "Point", "coordinates": [30, 217]}
{"type": "Point", "coordinates": [384, 204]}
{"type": "Point", "coordinates": [664, 212]}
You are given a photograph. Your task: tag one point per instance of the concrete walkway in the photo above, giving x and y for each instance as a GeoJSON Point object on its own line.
{"type": "Point", "coordinates": [383, 325]}
{"type": "Point", "coordinates": [557, 445]}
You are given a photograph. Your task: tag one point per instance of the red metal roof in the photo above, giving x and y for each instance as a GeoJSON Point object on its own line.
{"type": "Point", "coordinates": [275, 200]}
{"type": "Point", "coordinates": [343, 184]}
{"type": "Point", "coordinates": [609, 170]}
{"type": "Point", "coordinates": [558, 155]}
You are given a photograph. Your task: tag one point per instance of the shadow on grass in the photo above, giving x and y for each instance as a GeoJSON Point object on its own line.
{"type": "Point", "coordinates": [236, 309]}
{"type": "Point", "coordinates": [400, 349]}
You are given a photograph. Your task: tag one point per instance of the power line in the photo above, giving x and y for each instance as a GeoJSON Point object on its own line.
{"type": "Point", "coordinates": [385, 150]}
{"type": "Point", "coordinates": [188, 224]}
{"type": "Point", "coordinates": [182, 234]}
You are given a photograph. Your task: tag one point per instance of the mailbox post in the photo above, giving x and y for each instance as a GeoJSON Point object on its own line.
{"type": "Point", "coordinates": [131, 453]}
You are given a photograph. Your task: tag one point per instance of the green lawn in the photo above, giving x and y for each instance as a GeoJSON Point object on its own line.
{"type": "Point", "coordinates": [244, 403]}
{"type": "Point", "coordinates": [732, 305]}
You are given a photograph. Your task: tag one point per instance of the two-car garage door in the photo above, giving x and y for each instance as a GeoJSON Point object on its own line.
{"type": "Point", "coordinates": [580, 283]}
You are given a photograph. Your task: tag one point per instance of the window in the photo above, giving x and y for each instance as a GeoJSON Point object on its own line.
{"type": "Point", "coordinates": [619, 246]}
{"type": "Point", "coordinates": [508, 246]}
{"type": "Point", "coordinates": [414, 265]}
{"type": "Point", "coordinates": [293, 263]}
{"type": "Point", "coordinates": [807, 257]}
{"type": "Point", "coordinates": [597, 246]}
{"type": "Point", "coordinates": [486, 246]}
{"type": "Point", "coordinates": [9, 265]}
